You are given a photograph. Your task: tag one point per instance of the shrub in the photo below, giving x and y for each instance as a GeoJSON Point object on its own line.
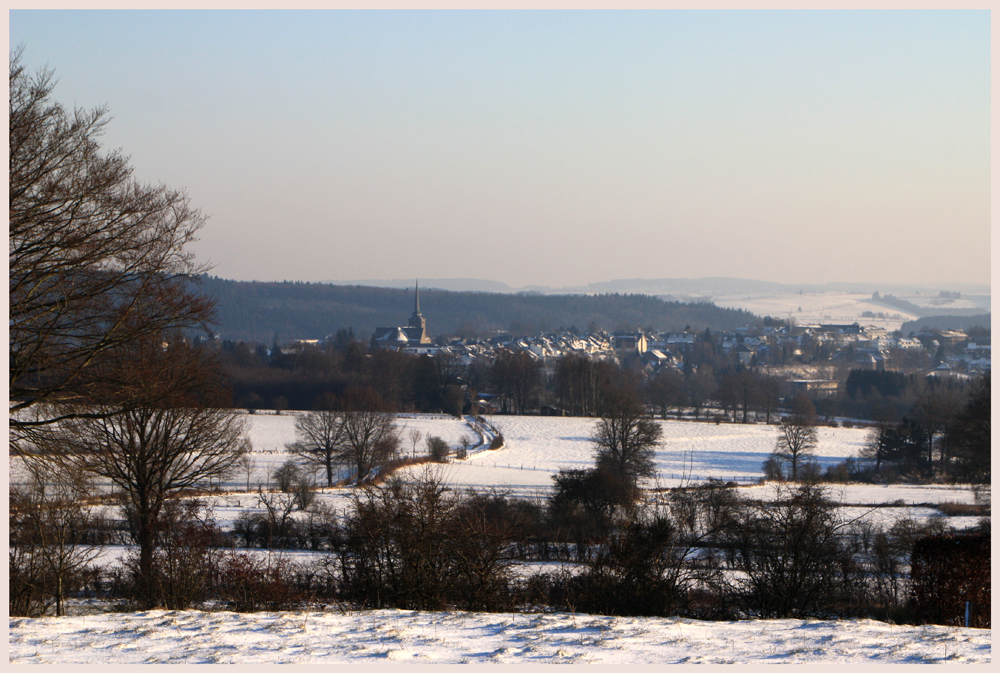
{"type": "Point", "coordinates": [947, 571]}
{"type": "Point", "coordinates": [599, 492]}
{"type": "Point", "coordinates": [788, 556]}
{"type": "Point", "coordinates": [49, 549]}
{"type": "Point", "coordinates": [438, 449]}
{"type": "Point", "coordinates": [188, 544]}
{"type": "Point", "coordinates": [960, 509]}
{"type": "Point", "coordinates": [639, 570]}
{"type": "Point", "coordinates": [248, 584]}
{"type": "Point", "coordinates": [772, 470]}
{"type": "Point", "coordinates": [838, 473]}
{"type": "Point", "coordinates": [810, 472]}
{"type": "Point", "coordinates": [416, 545]}
{"type": "Point", "coordinates": [304, 494]}
{"type": "Point", "coordinates": [286, 476]}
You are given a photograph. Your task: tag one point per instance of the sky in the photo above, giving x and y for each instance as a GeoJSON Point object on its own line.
{"type": "Point", "coordinates": [552, 148]}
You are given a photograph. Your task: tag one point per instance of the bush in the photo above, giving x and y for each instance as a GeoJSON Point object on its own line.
{"type": "Point", "coordinates": [947, 571]}
{"type": "Point", "coordinates": [394, 547]}
{"type": "Point", "coordinates": [496, 442]}
{"type": "Point", "coordinates": [601, 493]}
{"type": "Point", "coordinates": [304, 494]}
{"type": "Point", "coordinates": [640, 570]}
{"type": "Point", "coordinates": [788, 556]}
{"type": "Point", "coordinates": [772, 469]}
{"type": "Point", "coordinates": [810, 472]}
{"type": "Point", "coordinates": [839, 473]}
{"type": "Point", "coordinates": [188, 546]}
{"type": "Point", "coordinates": [286, 476]}
{"type": "Point", "coordinates": [438, 449]}
{"type": "Point", "coordinates": [961, 509]}
{"type": "Point", "coordinates": [248, 584]}
{"type": "Point", "coordinates": [418, 546]}
{"type": "Point", "coordinates": [49, 544]}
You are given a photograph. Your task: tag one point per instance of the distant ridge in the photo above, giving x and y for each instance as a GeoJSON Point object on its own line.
{"type": "Point", "coordinates": [946, 322]}
{"type": "Point", "coordinates": [692, 287]}
{"type": "Point", "coordinates": [453, 284]}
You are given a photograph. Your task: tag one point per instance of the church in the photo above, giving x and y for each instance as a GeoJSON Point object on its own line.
{"type": "Point", "coordinates": [414, 333]}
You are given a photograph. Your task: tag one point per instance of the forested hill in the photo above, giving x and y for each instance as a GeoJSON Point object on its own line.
{"type": "Point", "coordinates": [962, 322]}
{"type": "Point", "coordinates": [257, 311]}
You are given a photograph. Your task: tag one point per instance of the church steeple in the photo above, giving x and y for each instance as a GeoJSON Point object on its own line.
{"type": "Point", "coordinates": [417, 319]}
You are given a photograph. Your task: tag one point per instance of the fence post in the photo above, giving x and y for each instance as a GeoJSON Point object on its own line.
{"type": "Point", "coordinates": [968, 605]}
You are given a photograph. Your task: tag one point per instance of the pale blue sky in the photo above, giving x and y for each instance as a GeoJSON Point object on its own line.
{"type": "Point", "coordinates": [554, 148]}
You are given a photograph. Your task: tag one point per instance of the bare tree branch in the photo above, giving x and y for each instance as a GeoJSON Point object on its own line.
{"type": "Point", "coordinates": [97, 260]}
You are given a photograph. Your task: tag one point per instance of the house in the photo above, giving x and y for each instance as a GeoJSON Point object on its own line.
{"type": "Point", "coordinates": [625, 344]}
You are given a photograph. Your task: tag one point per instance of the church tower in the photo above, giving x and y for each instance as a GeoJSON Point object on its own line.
{"type": "Point", "coordinates": [417, 325]}
{"type": "Point", "coordinates": [412, 334]}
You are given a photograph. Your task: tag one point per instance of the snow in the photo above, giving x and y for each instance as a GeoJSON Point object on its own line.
{"type": "Point", "coordinates": [402, 636]}
{"type": "Point", "coordinates": [270, 433]}
{"type": "Point", "coordinates": [536, 448]}
{"type": "Point", "coordinates": [689, 451]}
{"type": "Point", "coordinates": [818, 307]}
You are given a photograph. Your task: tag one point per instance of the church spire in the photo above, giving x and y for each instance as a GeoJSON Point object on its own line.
{"type": "Point", "coordinates": [417, 319]}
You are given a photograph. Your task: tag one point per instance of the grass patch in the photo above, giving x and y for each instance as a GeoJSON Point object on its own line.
{"type": "Point", "coordinates": [960, 509]}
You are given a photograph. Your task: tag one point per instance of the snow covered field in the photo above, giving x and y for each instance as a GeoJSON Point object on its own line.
{"type": "Point", "coordinates": [398, 636]}
{"type": "Point", "coordinates": [536, 448]}
{"type": "Point", "coordinates": [844, 307]}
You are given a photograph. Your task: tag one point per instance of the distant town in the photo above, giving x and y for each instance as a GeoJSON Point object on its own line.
{"type": "Point", "coordinates": [688, 371]}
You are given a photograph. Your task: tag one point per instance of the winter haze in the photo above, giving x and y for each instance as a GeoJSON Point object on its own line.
{"type": "Point", "coordinates": [551, 148]}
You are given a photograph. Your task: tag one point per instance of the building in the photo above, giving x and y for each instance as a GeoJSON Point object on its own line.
{"type": "Point", "coordinates": [625, 344]}
{"type": "Point", "coordinates": [414, 333]}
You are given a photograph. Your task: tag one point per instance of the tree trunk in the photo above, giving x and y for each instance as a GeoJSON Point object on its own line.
{"type": "Point", "coordinates": [59, 595]}
{"type": "Point", "coordinates": [146, 537]}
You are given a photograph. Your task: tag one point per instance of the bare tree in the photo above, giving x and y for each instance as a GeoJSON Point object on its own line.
{"type": "Point", "coordinates": [463, 447]}
{"type": "Point", "coordinates": [797, 437]}
{"type": "Point", "coordinates": [369, 432]}
{"type": "Point", "coordinates": [48, 549]}
{"type": "Point", "coordinates": [666, 389]}
{"type": "Point", "coordinates": [626, 435]}
{"type": "Point", "coordinates": [97, 260]}
{"type": "Point", "coordinates": [969, 434]}
{"type": "Point", "coordinates": [286, 475]}
{"type": "Point", "coordinates": [414, 436]}
{"type": "Point", "coordinates": [936, 409]}
{"type": "Point", "coordinates": [247, 464]}
{"type": "Point", "coordinates": [153, 451]}
{"type": "Point", "coordinates": [879, 440]}
{"type": "Point", "coordinates": [320, 439]}
{"type": "Point", "coordinates": [516, 376]}
{"type": "Point", "coordinates": [769, 388]}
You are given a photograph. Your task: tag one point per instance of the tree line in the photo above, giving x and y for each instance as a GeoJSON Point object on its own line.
{"type": "Point", "coordinates": [268, 378]}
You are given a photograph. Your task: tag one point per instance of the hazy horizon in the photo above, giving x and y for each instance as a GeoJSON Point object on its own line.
{"type": "Point", "coordinates": [551, 148]}
{"type": "Point", "coordinates": [720, 285]}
